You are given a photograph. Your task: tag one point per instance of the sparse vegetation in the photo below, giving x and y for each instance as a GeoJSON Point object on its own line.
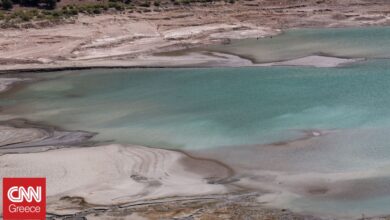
{"type": "Point", "coordinates": [33, 10]}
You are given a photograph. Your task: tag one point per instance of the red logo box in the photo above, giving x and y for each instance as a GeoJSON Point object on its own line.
{"type": "Point", "coordinates": [24, 198]}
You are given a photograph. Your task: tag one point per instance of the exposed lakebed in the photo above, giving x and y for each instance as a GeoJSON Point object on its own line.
{"type": "Point", "coordinates": [313, 140]}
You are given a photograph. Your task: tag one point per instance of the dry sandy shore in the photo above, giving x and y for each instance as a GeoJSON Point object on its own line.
{"type": "Point", "coordinates": [114, 40]}
{"type": "Point", "coordinates": [114, 175]}
{"type": "Point", "coordinates": [124, 181]}
{"type": "Point", "coordinates": [131, 39]}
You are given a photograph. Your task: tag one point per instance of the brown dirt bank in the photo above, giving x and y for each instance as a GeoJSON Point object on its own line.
{"type": "Point", "coordinates": [213, 207]}
{"type": "Point", "coordinates": [129, 39]}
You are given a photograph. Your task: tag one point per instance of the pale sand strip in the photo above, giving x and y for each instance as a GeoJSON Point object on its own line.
{"type": "Point", "coordinates": [314, 61]}
{"type": "Point", "coordinates": [187, 59]}
{"type": "Point", "coordinates": [113, 174]}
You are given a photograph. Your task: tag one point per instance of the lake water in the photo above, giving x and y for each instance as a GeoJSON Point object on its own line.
{"type": "Point", "coordinates": [234, 109]}
{"type": "Point", "coordinates": [373, 42]}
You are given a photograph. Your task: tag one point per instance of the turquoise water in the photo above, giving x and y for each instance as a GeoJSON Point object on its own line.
{"type": "Point", "coordinates": [203, 108]}
{"type": "Point", "coordinates": [234, 114]}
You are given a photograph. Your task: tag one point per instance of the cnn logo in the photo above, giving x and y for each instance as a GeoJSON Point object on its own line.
{"type": "Point", "coordinates": [24, 198]}
{"type": "Point", "coordinates": [25, 195]}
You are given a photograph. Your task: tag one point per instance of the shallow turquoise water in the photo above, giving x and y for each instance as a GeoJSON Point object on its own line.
{"type": "Point", "coordinates": [202, 108]}
{"type": "Point", "coordinates": [240, 111]}
{"type": "Point", "coordinates": [373, 42]}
